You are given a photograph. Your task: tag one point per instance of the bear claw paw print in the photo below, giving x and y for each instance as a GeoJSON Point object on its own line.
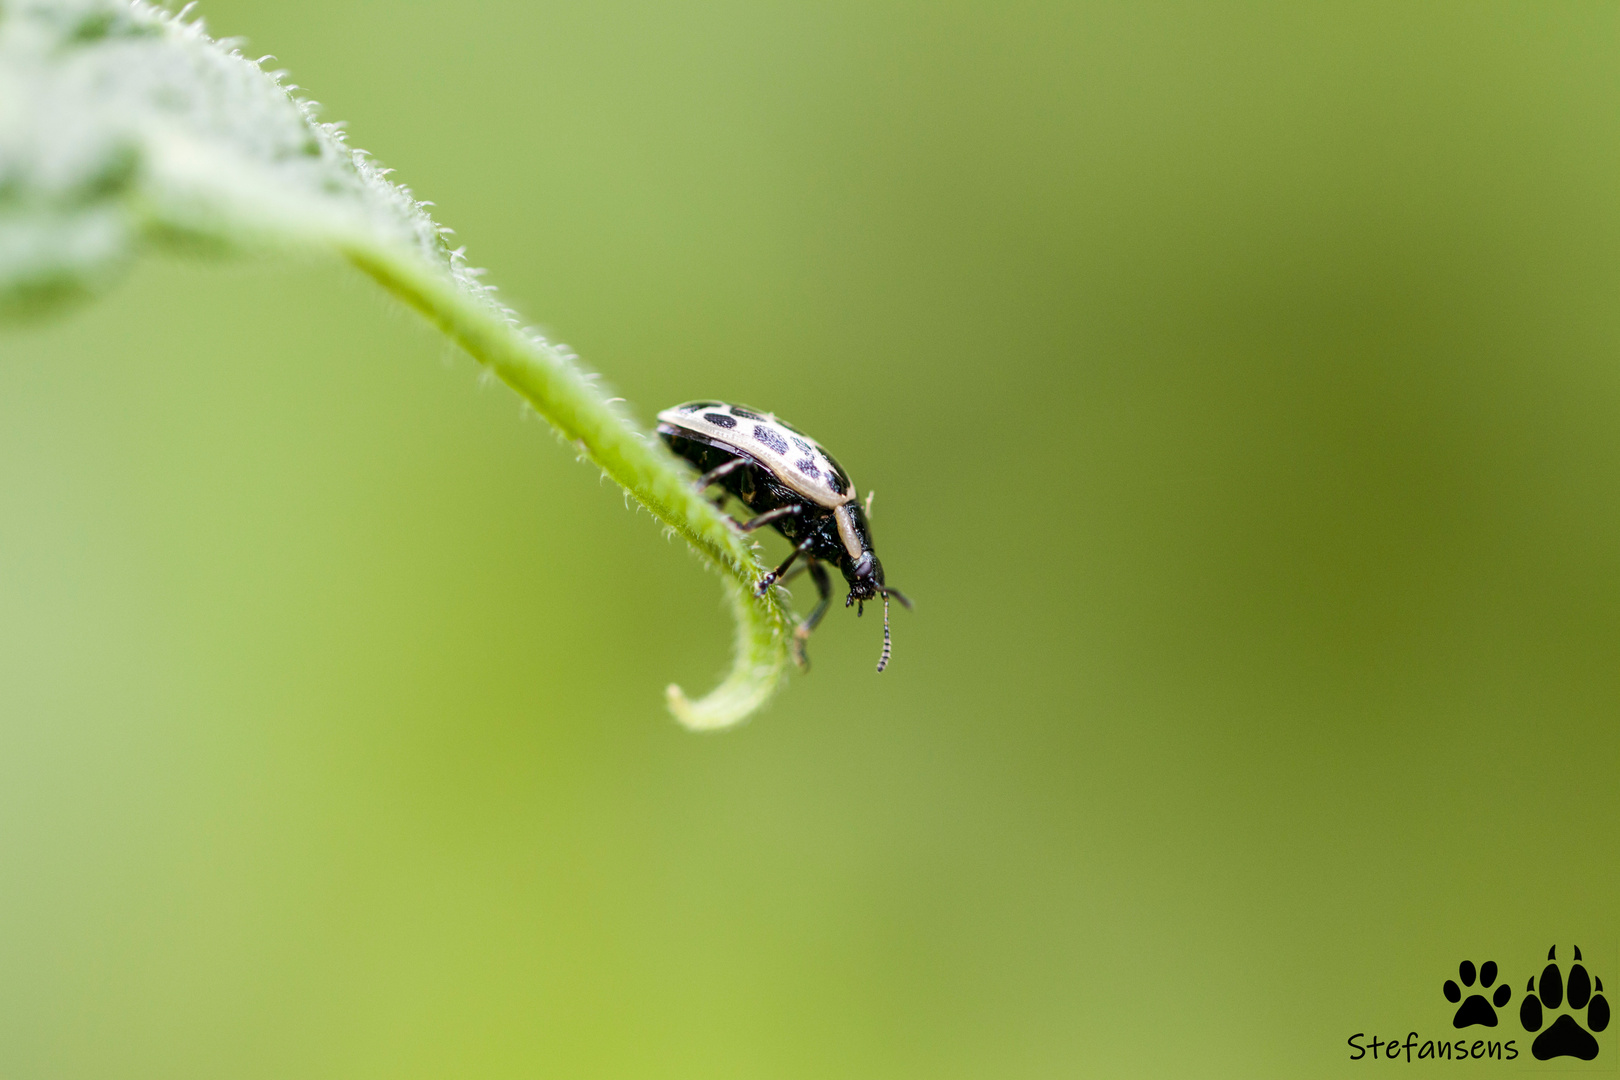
{"type": "Point", "coordinates": [1566, 1037]}
{"type": "Point", "coordinates": [1476, 1010]}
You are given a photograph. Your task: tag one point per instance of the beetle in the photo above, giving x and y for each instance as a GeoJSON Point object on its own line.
{"type": "Point", "coordinates": [795, 487]}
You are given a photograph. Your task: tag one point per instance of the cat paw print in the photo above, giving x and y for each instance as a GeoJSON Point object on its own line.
{"type": "Point", "coordinates": [1476, 1009]}
{"type": "Point", "coordinates": [1566, 1037]}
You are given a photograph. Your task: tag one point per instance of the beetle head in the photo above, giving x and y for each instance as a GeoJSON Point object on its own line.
{"type": "Point", "coordinates": [866, 583]}
{"type": "Point", "coordinates": [865, 577]}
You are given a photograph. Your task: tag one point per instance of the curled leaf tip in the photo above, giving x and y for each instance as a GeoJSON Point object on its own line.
{"type": "Point", "coordinates": [758, 668]}
{"type": "Point", "coordinates": [727, 705]}
{"type": "Point", "coordinates": [741, 694]}
{"type": "Point", "coordinates": [701, 715]}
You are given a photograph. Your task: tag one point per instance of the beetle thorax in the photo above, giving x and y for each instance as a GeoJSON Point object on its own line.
{"type": "Point", "coordinates": [854, 543]}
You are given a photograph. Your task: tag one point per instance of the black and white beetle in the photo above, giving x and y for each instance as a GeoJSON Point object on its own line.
{"type": "Point", "coordinates": [795, 487]}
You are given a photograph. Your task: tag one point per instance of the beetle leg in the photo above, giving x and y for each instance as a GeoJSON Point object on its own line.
{"type": "Point", "coordinates": [771, 578]}
{"type": "Point", "coordinates": [776, 575]}
{"type": "Point", "coordinates": [801, 633]}
{"type": "Point", "coordinates": [717, 472]}
{"type": "Point", "coordinates": [768, 517]}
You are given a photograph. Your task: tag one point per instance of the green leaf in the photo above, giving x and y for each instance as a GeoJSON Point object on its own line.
{"type": "Point", "coordinates": [124, 126]}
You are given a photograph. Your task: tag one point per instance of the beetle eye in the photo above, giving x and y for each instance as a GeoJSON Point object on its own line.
{"type": "Point", "coordinates": [863, 565]}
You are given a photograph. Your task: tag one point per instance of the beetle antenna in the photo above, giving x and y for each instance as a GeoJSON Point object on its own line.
{"type": "Point", "coordinates": [890, 590]}
{"type": "Point", "coordinates": [883, 661]}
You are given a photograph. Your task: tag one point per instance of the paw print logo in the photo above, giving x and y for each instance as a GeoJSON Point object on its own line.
{"type": "Point", "coordinates": [1476, 1010]}
{"type": "Point", "coordinates": [1566, 1037]}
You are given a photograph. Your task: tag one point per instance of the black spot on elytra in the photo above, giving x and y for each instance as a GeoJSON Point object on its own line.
{"type": "Point", "coordinates": [719, 419]}
{"type": "Point", "coordinates": [1476, 1010]}
{"type": "Point", "coordinates": [1566, 1037]}
{"type": "Point", "coordinates": [745, 414]}
{"type": "Point", "coordinates": [770, 438]}
{"type": "Point", "coordinates": [802, 445]}
{"type": "Point", "coordinates": [837, 483]}
{"type": "Point", "coordinates": [808, 467]}
{"type": "Point", "coordinates": [699, 406]}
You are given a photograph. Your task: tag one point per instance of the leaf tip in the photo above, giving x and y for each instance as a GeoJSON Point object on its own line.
{"type": "Point", "coordinates": [694, 716]}
{"type": "Point", "coordinates": [729, 704]}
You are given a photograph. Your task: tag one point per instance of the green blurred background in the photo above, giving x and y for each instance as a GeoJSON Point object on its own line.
{"type": "Point", "coordinates": [1241, 388]}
